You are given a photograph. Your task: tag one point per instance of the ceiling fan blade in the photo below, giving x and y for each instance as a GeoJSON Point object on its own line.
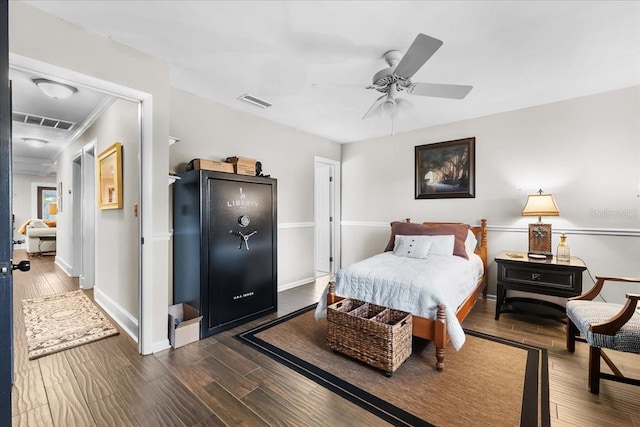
{"type": "Point", "coordinates": [439, 90]}
{"type": "Point", "coordinates": [372, 110]}
{"type": "Point", "coordinates": [338, 85]}
{"type": "Point", "coordinates": [422, 48]}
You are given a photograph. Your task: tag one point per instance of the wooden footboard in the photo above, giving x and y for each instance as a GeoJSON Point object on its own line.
{"type": "Point", "coordinates": [436, 329]}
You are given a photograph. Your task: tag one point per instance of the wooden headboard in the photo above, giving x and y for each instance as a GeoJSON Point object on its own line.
{"type": "Point", "coordinates": [477, 230]}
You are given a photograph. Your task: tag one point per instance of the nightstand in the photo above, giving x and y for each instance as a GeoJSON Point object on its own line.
{"type": "Point", "coordinates": [516, 271]}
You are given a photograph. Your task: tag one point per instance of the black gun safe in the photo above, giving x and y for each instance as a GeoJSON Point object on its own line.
{"type": "Point", "coordinates": [225, 247]}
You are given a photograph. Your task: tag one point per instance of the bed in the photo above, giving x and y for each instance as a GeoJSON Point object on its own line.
{"type": "Point", "coordinates": [434, 317]}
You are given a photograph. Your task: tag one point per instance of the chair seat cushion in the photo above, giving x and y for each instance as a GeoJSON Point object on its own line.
{"type": "Point", "coordinates": [585, 313]}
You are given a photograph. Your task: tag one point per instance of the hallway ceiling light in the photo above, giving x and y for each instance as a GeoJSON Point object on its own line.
{"type": "Point", "coordinates": [54, 89]}
{"type": "Point", "coordinates": [35, 143]}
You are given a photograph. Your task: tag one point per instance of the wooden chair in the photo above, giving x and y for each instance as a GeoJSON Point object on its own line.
{"type": "Point", "coordinates": [604, 325]}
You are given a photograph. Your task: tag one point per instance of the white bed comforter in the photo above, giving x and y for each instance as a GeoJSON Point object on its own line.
{"type": "Point", "coordinates": [413, 285]}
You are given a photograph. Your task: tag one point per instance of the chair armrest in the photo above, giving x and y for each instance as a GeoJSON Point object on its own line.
{"type": "Point", "coordinates": [619, 279]}
{"type": "Point", "coordinates": [38, 232]}
{"type": "Point", "coordinates": [612, 325]}
{"type": "Point", "coordinates": [595, 291]}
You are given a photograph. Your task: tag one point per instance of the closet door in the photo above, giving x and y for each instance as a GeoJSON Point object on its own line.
{"type": "Point", "coordinates": [240, 237]}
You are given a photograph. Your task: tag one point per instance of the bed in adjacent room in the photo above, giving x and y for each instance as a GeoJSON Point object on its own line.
{"type": "Point", "coordinates": [434, 270]}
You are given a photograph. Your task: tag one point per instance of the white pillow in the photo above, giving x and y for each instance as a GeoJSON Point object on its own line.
{"type": "Point", "coordinates": [442, 245]}
{"type": "Point", "coordinates": [471, 243]}
{"type": "Point", "coordinates": [412, 246]}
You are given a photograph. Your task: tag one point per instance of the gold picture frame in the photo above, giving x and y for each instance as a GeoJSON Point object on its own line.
{"type": "Point", "coordinates": [540, 239]}
{"type": "Point", "coordinates": [110, 177]}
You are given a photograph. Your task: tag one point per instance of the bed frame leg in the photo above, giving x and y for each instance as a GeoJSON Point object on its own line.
{"type": "Point", "coordinates": [440, 339]}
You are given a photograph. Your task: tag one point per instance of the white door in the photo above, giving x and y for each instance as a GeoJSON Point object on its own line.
{"type": "Point", "coordinates": [323, 217]}
{"type": "Point", "coordinates": [87, 278]}
{"type": "Point", "coordinates": [326, 215]}
{"type": "Point", "coordinates": [76, 214]}
{"type": "Point", "coordinates": [84, 215]}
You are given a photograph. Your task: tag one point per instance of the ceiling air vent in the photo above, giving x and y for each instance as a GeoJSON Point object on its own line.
{"type": "Point", "coordinates": [42, 121]}
{"type": "Point", "coordinates": [255, 101]}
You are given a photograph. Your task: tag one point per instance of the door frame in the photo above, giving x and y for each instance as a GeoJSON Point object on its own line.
{"type": "Point", "coordinates": [335, 212]}
{"type": "Point", "coordinates": [145, 117]}
{"type": "Point", "coordinates": [6, 232]}
{"type": "Point", "coordinates": [83, 208]}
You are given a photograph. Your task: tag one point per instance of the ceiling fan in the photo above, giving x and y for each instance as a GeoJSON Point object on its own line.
{"type": "Point", "coordinates": [397, 78]}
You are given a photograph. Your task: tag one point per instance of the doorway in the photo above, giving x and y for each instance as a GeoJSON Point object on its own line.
{"type": "Point", "coordinates": [134, 315]}
{"type": "Point", "coordinates": [326, 216]}
{"type": "Point", "coordinates": [84, 216]}
{"type": "Point", "coordinates": [46, 202]}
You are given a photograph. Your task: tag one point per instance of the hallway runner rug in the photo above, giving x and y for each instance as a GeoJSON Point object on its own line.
{"type": "Point", "coordinates": [490, 381]}
{"type": "Point", "coordinates": [58, 322]}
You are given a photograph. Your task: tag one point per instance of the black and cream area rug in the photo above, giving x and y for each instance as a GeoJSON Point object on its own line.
{"type": "Point", "coordinates": [58, 322]}
{"type": "Point", "coordinates": [490, 381]}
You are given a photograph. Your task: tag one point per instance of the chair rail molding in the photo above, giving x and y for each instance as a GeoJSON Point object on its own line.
{"type": "Point", "coordinates": [629, 232]}
{"type": "Point", "coordinates": [283, 225]}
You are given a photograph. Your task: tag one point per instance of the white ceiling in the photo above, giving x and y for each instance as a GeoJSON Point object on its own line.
{"type": "Point", "coordinates": [79, 109]}
{"type": "Point", "coordinates": [313, 59]}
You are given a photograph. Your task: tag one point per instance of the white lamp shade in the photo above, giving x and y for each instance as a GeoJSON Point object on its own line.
{"type": "Point", "coordinates": [540, 205]}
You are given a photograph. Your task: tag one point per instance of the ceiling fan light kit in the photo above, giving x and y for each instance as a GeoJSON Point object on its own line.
{"type": "Point", "coordinates": [388, 107]}
{"type": "Point", "coordinates": [397, 78]}
{"type": "Point", "coordinates": [54, 89]}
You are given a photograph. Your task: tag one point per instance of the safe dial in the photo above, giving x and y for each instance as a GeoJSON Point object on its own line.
{"type": "Point", "coordinates": [244, 220]}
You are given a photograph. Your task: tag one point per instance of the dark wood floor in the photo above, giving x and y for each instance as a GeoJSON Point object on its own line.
{"type": "Point", "coordinates": [219, 381]}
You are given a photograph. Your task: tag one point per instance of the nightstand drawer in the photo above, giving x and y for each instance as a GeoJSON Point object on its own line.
{"type": "Point", "coordinates": [541, 280]}
{"type": "Point", "coordinates": [556, 279]}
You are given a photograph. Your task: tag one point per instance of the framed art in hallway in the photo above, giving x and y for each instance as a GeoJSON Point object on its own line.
{"type": "Point", "coordinates": [59, 196]}
{"type": "Point", "coordinates": [445, 169]}
{"type": "Point", "coordinates": [110, 177]}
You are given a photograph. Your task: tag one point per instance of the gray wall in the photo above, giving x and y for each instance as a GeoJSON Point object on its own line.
{"type": "Point", "coordinates": [584, 151]}
{"type": "Point", "coordinates": [212, 131]}
{"type": "Point", "coordinates": [117, 234]}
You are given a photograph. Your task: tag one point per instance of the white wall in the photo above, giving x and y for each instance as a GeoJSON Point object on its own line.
{"type": "Point", "coordinates": [586, 152]}
{"type": "Point", "coordinates": [212, 131]}
{"type": "Point", "coordinates": [583, 151]}
{"type": "Point", "coordinates": [23, 200]}
{"type": "Point", "coordinates": [36, 38]}
{"type": "Point", "coordinates": [117, 236]}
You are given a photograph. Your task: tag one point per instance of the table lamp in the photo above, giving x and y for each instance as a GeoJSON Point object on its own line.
{"type": "Point", "coordinates": [53, 209]}
{"type": "Point", "coordinates": [540, 234]}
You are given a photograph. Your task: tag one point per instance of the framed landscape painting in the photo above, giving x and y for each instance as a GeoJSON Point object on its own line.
{"type": "Point", "coordinates": [446, 169]}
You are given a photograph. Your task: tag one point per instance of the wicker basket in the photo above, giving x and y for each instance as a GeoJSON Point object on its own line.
{"type": "Point", "coordinates": [376, 335]}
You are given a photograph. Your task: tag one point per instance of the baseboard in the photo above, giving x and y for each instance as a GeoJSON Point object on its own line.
{"type": "Point", "coordinates": [160, 346]}
{"type": "Point", "coordinates": [64, 266]}
{"type": "Point", "coordinates": [125, 320]}
{"type": "Point", "coordinates": [295, 284]}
